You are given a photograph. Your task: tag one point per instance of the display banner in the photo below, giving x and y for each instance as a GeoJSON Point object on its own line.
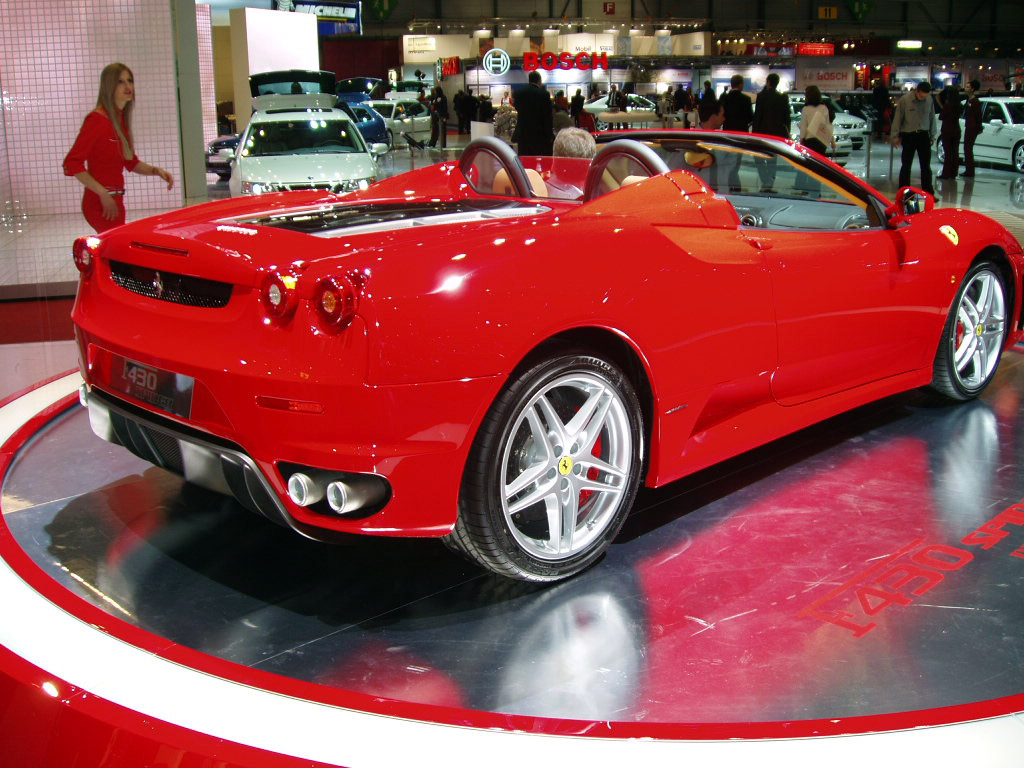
{"type": "Point", "coordinates": [827, 79]}
{"type": "Point", "coordinates": [334, 17]}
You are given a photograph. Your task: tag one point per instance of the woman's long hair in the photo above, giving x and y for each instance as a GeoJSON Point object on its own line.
{"type": "Point", "coordinates": [109, 78]}
{"type": "Point", "coordinates": [951, 100]}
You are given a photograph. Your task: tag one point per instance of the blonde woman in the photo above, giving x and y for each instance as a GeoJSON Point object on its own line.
{"type": "Point", "coordinates": [104, 150]}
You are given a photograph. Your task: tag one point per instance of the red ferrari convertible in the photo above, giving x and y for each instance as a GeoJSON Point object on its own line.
{"type": "Point", "coordinates": [499, 351]}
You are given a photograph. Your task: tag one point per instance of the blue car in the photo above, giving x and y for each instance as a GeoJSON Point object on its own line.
{"type": "Point", "coordinates": [368, 121]}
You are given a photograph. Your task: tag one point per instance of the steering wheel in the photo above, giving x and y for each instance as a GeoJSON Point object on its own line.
{"type": "Point", "coordinates": [506, 158]}
{"type": "Point", "coordinates": [639, 153]}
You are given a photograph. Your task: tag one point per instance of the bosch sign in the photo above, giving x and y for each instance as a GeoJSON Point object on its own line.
{"type": "Point", "coordinates": [564, 60]}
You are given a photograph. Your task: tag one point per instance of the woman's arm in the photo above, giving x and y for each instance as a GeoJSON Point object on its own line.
{"type": "Point", "coordinates": [145, 169]}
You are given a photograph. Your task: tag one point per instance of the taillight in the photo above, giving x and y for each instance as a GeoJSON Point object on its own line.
{"type": "Point", "coordinates": [84, 253]}
{"type": "Point", "coordinates": [336, 301]}
{"type": "Point", "coordinates": [278, 295]}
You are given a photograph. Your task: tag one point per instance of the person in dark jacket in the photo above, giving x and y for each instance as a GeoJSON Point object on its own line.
{"type": "Point", "coordinates": [533, 134]}
{"type": "Point", "coordinates": [771, 117]}
{"type": "Point", "coordinates": [438, 117]}
{"type": "Point", "coordinates": [739, 110]}
{"type": "Point", "coordinates": [576, 106]}
{"type": "Point", "coordinates": [949, 133]}
{"type": "Point", "coordinates": [972, 126]}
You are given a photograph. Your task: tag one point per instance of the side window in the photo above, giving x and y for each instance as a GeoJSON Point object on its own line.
{"type": "Point", "coordinates": [414, 109]}
{"type": "Point", "coordinates": [993, 111]}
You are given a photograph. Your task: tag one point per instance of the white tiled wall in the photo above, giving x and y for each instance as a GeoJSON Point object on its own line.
{"type": "Point", "coordinates": [206, 79]}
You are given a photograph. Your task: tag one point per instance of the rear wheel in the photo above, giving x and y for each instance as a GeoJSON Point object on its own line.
{"type": "Point", "coordinates": [553, 471]}
{"type": "Point", "coordinates": [973, 337]}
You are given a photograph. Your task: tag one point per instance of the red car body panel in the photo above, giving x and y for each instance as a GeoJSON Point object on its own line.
{"type": "Point", "coordinates": [740, 335]}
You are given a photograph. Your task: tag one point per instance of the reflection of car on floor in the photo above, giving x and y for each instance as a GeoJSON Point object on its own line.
{"type": "Point", "coordinates": [422, 358]}
{"type": "Point", "coordinates": [634, 103]}
{"type": "Point", "coordinates": [1001, 140]}
{"type": "Point", "coordinates": [219, 154]}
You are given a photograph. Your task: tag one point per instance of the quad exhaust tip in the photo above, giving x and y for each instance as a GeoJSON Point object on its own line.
{"type": "Point", "coordinates": [344, 495]}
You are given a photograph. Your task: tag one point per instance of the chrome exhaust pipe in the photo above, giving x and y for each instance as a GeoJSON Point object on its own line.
{"type": "Point", "coordinates": [354, 494]}
{"type": "Point", "coordinates": [306, 490]}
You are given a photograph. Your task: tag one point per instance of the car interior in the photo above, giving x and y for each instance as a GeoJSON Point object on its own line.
{"type": "Point", "coordinates": [768, 191]}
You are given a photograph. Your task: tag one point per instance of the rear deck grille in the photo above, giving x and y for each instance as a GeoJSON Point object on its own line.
{"type": "Point", "coordinates": [170, 286]}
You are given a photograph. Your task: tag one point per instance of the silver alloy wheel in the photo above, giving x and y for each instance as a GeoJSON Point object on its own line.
{"type": "Point", "coordinates": [979, 330]}
{"type": "Point", "coordinates": [566, 466]}
{"type": "Point", "coordinates": [1018, 157]}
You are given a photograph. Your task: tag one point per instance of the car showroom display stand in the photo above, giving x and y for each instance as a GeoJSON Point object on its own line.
{"type": "Point", "coordinates": [849, 593]}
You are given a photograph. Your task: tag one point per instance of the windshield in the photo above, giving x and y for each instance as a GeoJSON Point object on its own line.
{"type": "Point", "coordinates": [364, 114]}
{"type": "Point", "coordinates": [302, 137]}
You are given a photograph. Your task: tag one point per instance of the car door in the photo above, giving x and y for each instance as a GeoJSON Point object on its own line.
{"type": "Point", "coordinates": [415, 119]}
{"type": "Point", "coordinates": [854, 299]}
{"type": "Point", "coordinates": [995, 142]}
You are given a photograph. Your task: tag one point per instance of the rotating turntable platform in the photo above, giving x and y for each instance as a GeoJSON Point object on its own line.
{"type": "Point", "coordinates": [850, 593]}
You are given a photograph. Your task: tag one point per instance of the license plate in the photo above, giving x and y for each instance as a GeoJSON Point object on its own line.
{"type": "Point", "coordinates": [170, 392]}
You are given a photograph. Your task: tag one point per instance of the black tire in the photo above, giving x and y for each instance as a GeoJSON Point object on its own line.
{"type": "Point", "coordinates": [391, 140]}
{"type": "Point", "coordinates": [587, 487]}
{"type": "Point", "coordinates": [973, 336]}
{"type": "Point", "coordinates": [1017, 158]}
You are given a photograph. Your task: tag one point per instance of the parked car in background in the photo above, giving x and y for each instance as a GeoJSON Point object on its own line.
{"type": "Point", "coordinates": [369, 122]}
{"type": "Point", "coordinates": [219, 154]}
{"type": "Point", "coordinates": [634, 103]}
{"type": "Point", "coordinates": [854, 128]}
{"type": "Point", "coordinates": [300, 142]}
{"type": "Point", "coordinates": [1001, 140]}
{"type": "Point", "coordinates": [404, 116]}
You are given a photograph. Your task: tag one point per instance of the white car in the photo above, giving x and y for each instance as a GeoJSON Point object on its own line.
{"type": "Point", "coordinates": [634, 104]}
{"type": "Point", "coordinates": [406, 116]}
{"type": "Point", "coordinates": [844, 145]}
{"type": "Point", "coordinates": [288, 146]}
{"type": "Point", "coordinates": [856, 129]}
{"type": "Point", "coordinates": [1001, 140]}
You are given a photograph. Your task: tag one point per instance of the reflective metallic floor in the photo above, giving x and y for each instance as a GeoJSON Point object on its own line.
{"type": "Point", "coordinates": [872, 564]}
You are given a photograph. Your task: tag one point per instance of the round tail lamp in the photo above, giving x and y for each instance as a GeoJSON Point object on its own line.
{"type": "Point", "coordinates": [336, 301]}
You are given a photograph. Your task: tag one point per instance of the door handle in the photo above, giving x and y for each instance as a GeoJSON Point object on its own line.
{"type": "Point", "coordinates": [761, 245]}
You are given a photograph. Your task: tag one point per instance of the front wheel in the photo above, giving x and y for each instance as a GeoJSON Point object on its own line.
{"type": "Point", "coordinates": [391, 140]}
{"type": "Point", "coordinates": [553, 471]}
{"type": "Point", "coordinates": [973, 337]}
{"type": "Point", "coordinates": [1018, 157]}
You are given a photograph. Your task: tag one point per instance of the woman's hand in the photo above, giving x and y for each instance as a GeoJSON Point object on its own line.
{"type": "Point", "coordinates": [165, 175]}
{"type": "Point", "coordinates": [110, 211]}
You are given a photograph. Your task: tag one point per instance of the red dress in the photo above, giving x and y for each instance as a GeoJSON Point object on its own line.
{"type": "Point", "coordinates": [98, 151]}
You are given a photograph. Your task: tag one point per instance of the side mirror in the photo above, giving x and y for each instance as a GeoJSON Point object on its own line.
{"type": "Point", "coordinates": [909, 201]}
{"type": "Point", "coordinates": [378, 149]}
{"type": "Point", "coordinates": [997, 122]}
